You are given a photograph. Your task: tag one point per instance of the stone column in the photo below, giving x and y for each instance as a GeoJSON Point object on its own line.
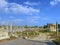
{"type": "Point", "coordinates": [56, 28]}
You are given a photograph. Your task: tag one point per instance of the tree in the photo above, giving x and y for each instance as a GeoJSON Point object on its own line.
{"type": "Point", "coordinates": [25, 26]}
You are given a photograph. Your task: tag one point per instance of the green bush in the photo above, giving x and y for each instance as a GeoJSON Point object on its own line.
{"type": "Point", "coordinates": [30, 33]}
{"type": "Point", "coordinates": [43, 31]}
{"type": "Point", "coordinates": [12, 37]}
{"type": "Point", "coordinates": [57, 39]}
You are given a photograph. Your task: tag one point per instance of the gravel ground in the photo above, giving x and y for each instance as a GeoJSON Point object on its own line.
{"type": "Point", "coordinates": [26, 42]}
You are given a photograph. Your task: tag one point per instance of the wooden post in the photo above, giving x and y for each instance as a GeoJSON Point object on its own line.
{"type": "Point", "coordinates": [56, 28]}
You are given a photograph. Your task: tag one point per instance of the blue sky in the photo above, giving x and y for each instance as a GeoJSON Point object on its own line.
{"type": "Point", "coordinates": [29, 12]}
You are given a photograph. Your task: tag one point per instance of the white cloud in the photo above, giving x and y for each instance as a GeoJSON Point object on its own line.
{"type": "Point", "coordinates": [54, 2]}
{"type": "Point", "coordinates": [17, 8]}
{"type": "Point", "coordinates": [37, 19]}
{"type": "Point", "coordinates": [46, 18]}
{"type": "Point", "coordinates": [4, 22]}
{"type": "Point", "coordinates": [7, 22]}
{"type": "Point", "coordinates": [33, 19]}
{"type": "Point", "coordinates": [32, 3]}
{"type": "Point", "coordinates": [18, 20]}
{"type": "Point", "coordinates": [11, 17]}
{"type": "Point", "coordinates": [59, 0]}
{"type": "Point", "coordinates": [3, 3]}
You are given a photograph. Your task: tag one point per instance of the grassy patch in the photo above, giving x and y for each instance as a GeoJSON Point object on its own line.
{"type": "Point", "coordinates": [28, 33]}
{"type": "Point", "coordinates": [43, 31]}
{"type": "Point", "coordinates": [55, 37]}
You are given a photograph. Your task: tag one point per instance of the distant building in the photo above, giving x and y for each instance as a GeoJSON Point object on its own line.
{"type": "Point", "coordinates": [52, 27]}
{"type": "Point", "coordinates": [3, 33]}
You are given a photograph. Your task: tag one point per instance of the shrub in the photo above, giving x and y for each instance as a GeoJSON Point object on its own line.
{"type": "Point", "coordinates": [12, 37]}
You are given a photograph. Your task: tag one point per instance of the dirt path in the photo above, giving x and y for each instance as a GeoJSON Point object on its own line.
{"type": "Point", "coordinates": [42, 36]}
{"type": "Point", "coordinates": [26, 42]}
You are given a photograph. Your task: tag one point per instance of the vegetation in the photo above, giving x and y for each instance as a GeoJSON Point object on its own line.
{"type": "Point", "coordinates": [30, 33]}
{"type": "Point", "coordinates": [12, 37]}
{"type": "Point", "coordinates": [57, 40]}
{"type": "Point", "coordinates": [53, 34]}
{"type": "Point", "coordinates": [55, 37]}
{"type": "Point", "coordinates": [43, 31]}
